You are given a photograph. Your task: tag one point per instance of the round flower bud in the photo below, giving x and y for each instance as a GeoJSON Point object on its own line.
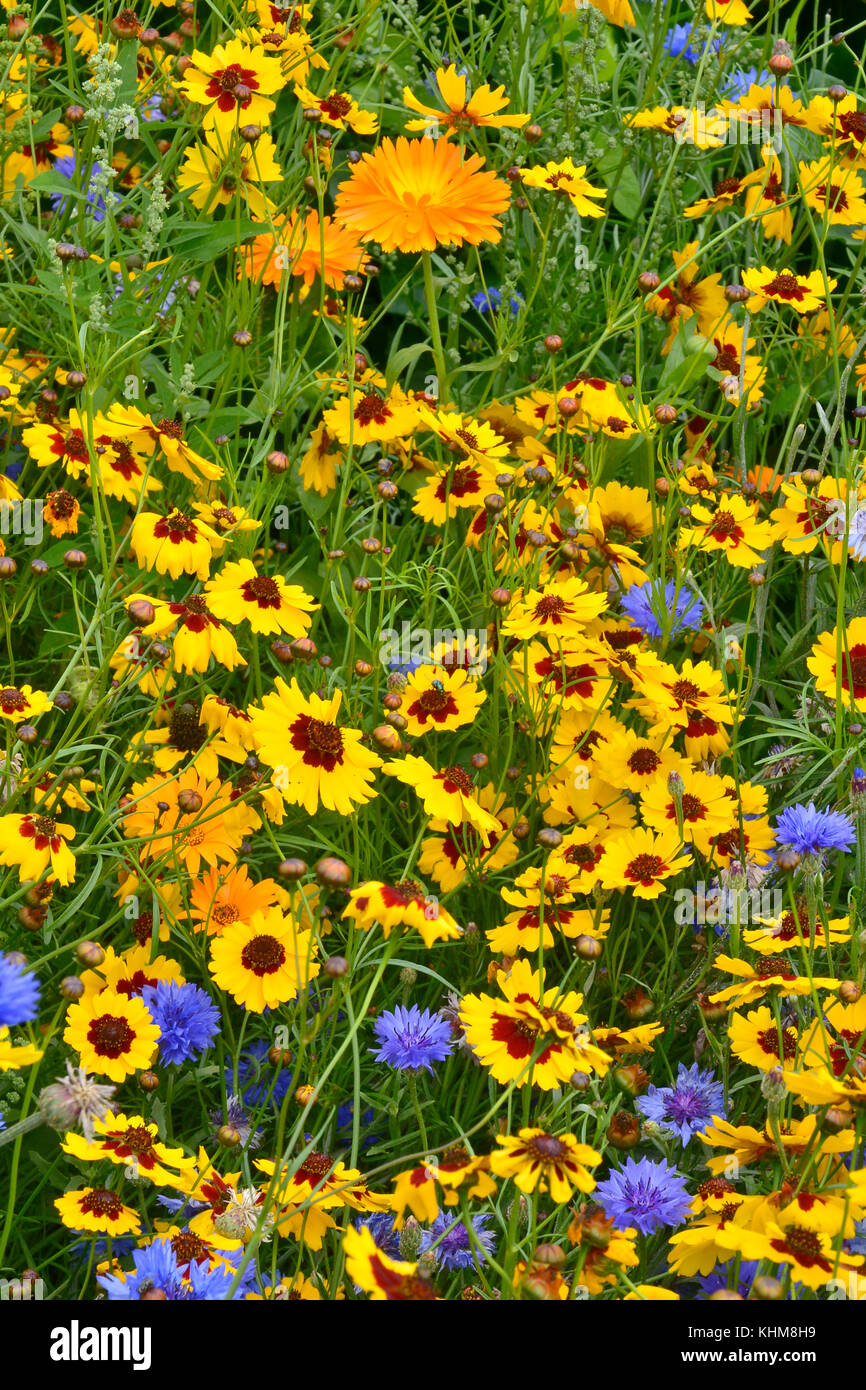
{"type": "Point", "coordinates": [567, 406]}
{"type": "Point", "coordinates": [780, 64]}
{"type": "Point", "coordinates": [27, 733]}
{"type": "Point", "coordinates": [849, 992]}
{"type": "Point", "coordinates": [548, 838]}
{"type": "Point", "coordinates": [76, 380]}
{"type": "Point", "coordinates": [149, 1081]}
{"type": "Point", "coordinates": [242, 337]}
{"type": "Point", "coordinates": [479, 761]}
{"type": "Point", "coordinates": [648, 281]}
{"type": "Point", "coordinates": [8, 567]}
{"type": "Point", "coordinates": [837, 92]}
{"type": "Point", "coordinates": [141, 612]}
{"type": "Point", "coordinates": [277, 462]}
{"type": "Point", "coordinates": [392, 700]}
{"type": "Point", "coordinates": [39, 568]}
{"type": "Point", "coordinates": [304, 649]}
{"type": "Point", "coordinates": [500, 597]}
{"type": "Point", "coordinates": [90, 953]}
{"type": "Point", "coordinates": [737, 294]}
{"type": "Point", "coordinates": [304, 1094]}
{"type": "Point", "coordinates": [31, 918]}
{"type": "Point", "coordinates": [67, 252]}
{"type": "Point", "coordinates": [279, 1057]}
{"type": "Point", "coordinates": [189, 801]}
{"type": "Point", "coordinates": [387, 490]}
{"type": "Point", "coordinates": [71, 987]}
{"type": "Point", "coordinates": [665, 414]}
{"type": "Point", "coordinates": [638, 1004]}
{"type": "Point", "coordinates": [494, 503]}
{"type": "Point", "coordinates": [333, 873]}
{"type": "Point", "coordinates": [588, 948]}
{"type": "Point", "coordinates": [228, 1137]}
{"type": "Point", "coordinates": [292, 869]}
{"type": "Point", "coordinates": [74, 115]}
{"type": "Point", "coordinates": [336, 967]}
{"type": "Point", "coordinates": [553, 343]}
{"type": "Point", "coordinates": [631, 1079]}
{"type": "Point", "coordinates": [787, 860]}
{"type": "Point", "coordinates": [353, 283]}
{"type": "Point", "coordinates": [386, 737]}
{"type": "Point", "coordinates": [726, 1296]}
{"type": "Point", "coordinates": [74, 559]}
{"type": "Point", "coordinates": [756, 579]}
{"type": "Point", "coordinates": [361, 585]}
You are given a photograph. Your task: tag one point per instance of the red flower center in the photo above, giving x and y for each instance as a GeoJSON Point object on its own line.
{"type": "Point", "coordinates": [263, 955]}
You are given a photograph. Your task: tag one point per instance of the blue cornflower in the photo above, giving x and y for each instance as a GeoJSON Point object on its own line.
{"type": "Point", "coordinates": [382, 1229]}
{"type": "Point", "coordinates": [686, 1106]}
{"type": "Point", "coordinates": [490, 301]}
{"type": "Point", "coordinates": [647, 603]}
{"type": "Point", "coordinates": [19, 993]}
{"type": "Point", "coordinates": [66, 164]}
{"type": "Point", "coordinates": [155, 1267]}
{"type": "Point", "coordinates": [151, 109]}
{"type": "Point", "coordinates": [411, 1038]}
{"type": "Point", "coordinates": [677, 43]}
{"type": "Point", "coordinates": [454, 1250]}
{"type": "Point", "coordinates": [343, 1125]}
{"type": "Point", "coordinates": [2, 1122]}
{"type": "Point", "coordinates": [739, 82]}
{"type": "Point", "coordinates": [645, 1195]}
{"type": "Point", "coordinates": [97, 1250]}
{"type": "Point", "coordinates": [187, 1017]}
{"type": "Point", "coordinates": [809, 831]}
{"type": "Point", "coordinates": [254, 1079]}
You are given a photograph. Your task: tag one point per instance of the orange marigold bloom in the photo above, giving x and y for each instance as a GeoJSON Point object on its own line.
{"type": "Point", "coordinates": [304, 247]}
{"type": "Point", "coordinates": [414, 195]}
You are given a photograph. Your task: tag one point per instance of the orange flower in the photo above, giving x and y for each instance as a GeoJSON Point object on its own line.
{"type": "Point", "coordinates": [412, 195]}
{"type": "Point", "coordinates": [307, 248]}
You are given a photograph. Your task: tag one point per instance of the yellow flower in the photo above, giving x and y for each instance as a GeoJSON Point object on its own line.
{"type": "Point", "coordinates": [562, 610]}
{"type": "Point", "coordinates": [34, 843]}
{"type": "Point", "coordinates": [542, 1162]}
{"type": "Point", "coordinates": [234, 82]}
{"type": "Point", "coordinates": [267, 602]}
{"type": "Point", "coordinates": [213, 174]}
{"type": "Point", "coordinates": [733, 528]}
{"type": "Point", "coordinates": [264, 962]}
{"type": "Point", "coordinates": [839, 667]}
{"type": "Point", "coordinates": [465, 110]}
{"type": "Point", "coordinates": [804, 293]}
{"type": "Point", "coordinates": [12, 1057]}
{"type": "Point", "coordinates": [727, 12]}
{"type": "Point", "coordinates": [97, 1209]}
{"type": "Point", "coordinates": [566, 178]}
{"type": "Point", "coordinates": [339, 110]}
{"type": "Point", "coordinates": [642, 861]}
{"type": "Point", "coordinates": [449, 795]}
{"type": "Point", "coordinates": [437, 699]}
{"type": "Point", "coordinates": [380, 1276]}
{"type": "Point", "coordinates": [20, 703]}
{"type": "Point", "coordinates": [130, 1141]}
{"type": "Point", "coordinates": [113, 1034]}
{"type": "Point", "coordinates": [172, 543]}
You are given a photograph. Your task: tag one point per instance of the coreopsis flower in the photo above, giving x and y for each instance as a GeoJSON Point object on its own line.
{"type": "Point", "coordinates": [133, 661]}
{"type": "Point", "coordinates": [797, 1238]}
{"type": "Point", "coordinates": [129, 972]}
{"type": "Point", "coordinates": [437, 699]}
{"type": "Point", "coordinates": [378, 1275]}
{"type": "Point", "coordinates": [369, 417]}
{"type": "Point", "coordinates": [339, 110]}
{"type": "Point", "coordinates": [641, 861]}
{"type": "Point", "coordinates": [304, 246]}
{"type": "Point", "coordinates": [222, 897]}
{"type": "Point", "coordinates": [633, 761]}
{"type": "Point", "coordinates": [129, 1140]}
{"type": "Point", "coordinates": [172, 543]}
{"type": "Point", "coordinates": [542, 1162]}
{"type": "Point", "coordinates": [264, 962]}
{"type": "Point", "coordinates": [838, 663]}
{"type": "Point", "coordinates": [225, 521]}
{"type": "Point", "coordinates": [727, 12]}
{"type": "Point", "coordinates": [474, 440]}
{"type": "Point", "coordinates": [465, 110]}
{"type": "Point", "coordinates": [689, 297]}
{"type": "Point", "coordinates": [413, 195]}
{"type": "Point", "coordinates": [561, 611]}
{"type": "Point", "coordinates": [453, 851]}
{"type": "Point", "coordinates": [211, 834]}
{"type": "Point", "coordinates": [617, 12]}
{"type": "Point", "coordinates": [718, 1236]}
{"type": "Point", "coordinates": [822, 1087]}
{"type": "Point", "coordinates": [812, 516]}
{"type": "Point", "coordinates": [687, 126]}
{"type": "Point", "coordinates": [701, 803]}
{"type": "Point", "coordinates": [574, 677]}
{"type": "Point", "coordinates": [234, 83]}
{"type": "Point", "coordinates": [692, 699]}
{"type": "Point", "coordinates": [507, 1034]}
{"type": "Point", "coordinates": [164, 437]}
{"type": "Point", "coordinates": [61, 511]}
{"type": "Point", "coordinates": [836, 1040]}
{"type": "Point", "coordinates": [197, 635]}
{"type": "Point", "coordinates": [34, 843]}
{"type": "Point", "coordinates": [776, 973]}
{"type": "Point", "coordinates": [767, 199]}
{"type": "Point", "coordinates": [267, 602]}
{"type": "Point", "coordinates": [733, 528]}
{"type": "Point", "coordinates": [318, 468]}
{"type": "Point", "coordinates": [12, 1056]}
{"type": "Point", "coordinates": [453, 489]}
{"type": "Point", "coordinates": [734, 362]}
{"type": "Point", "coordinates": [48, 444]}
{"type": "Point", "coordinates": [122, 472]}
{"type": "Point", "coordinates": [315, 760]}
{"type": "Point", "coordinates": [803, 293]}
{"type": "Point", "coordinates": [448, 795]}
{"type": "Point", "coordinates": [545, 906]}
{"type": "Point", "coordinates": [567, 179]}
{"type": "Point", "coordinates": [404, 905]}
{"type": "Point", "coordinates": [759, 1041]}
{"type": "Point", "coordinates": [113, 1034]}
{"type": "Point", "coordinates": [213, 174]}
{"type": "Point", "coordinates": [97, 1209]}
{"type": "Point", "coordinates": [789, 931]}
{"type": "Point", "coordinates": [21, 703]}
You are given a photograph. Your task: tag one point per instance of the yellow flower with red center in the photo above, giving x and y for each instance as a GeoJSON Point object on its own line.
{"type": "Point", "coordinates": [33, 843]}
{"type": "Point", "coordinates": [532, 1035]}
{"type": "Point", "coordinates": [49, 444]}
{"type": "Point", "coordinates": [315, 761]}
{"type": "Point", "coordinates": [729, 359]}
{"type": "Point", "coordinates": [220, 898]}
{"type": "Point", "coordinates": [803, 293]}
{"type": "Point", "coordinates": [366, 416]}
{"type": "Point", "coordinates": [384, 1279]}
{"type": "Point", "coordinates": [113, 1034]}
{"type": "Point", "coordinates": [172, 543]}
{"type": "Point", "coordinates": [20, 703]}
{"type": "Point", "coordinates": [688, 297]}
{"type": "Point", "coordinates": [642, 861]}
{"type": "Point", "coordinates": [633, 761]}
{"type": "Point", "coordinates": [234, 83]}
{"type": "Point", "coordinates": [733, 528]}
{"type": "Point", "coordinates": [813, 516]}
{"type": "Point", "coordinates": [306, 247]}
{"type": "Point", "coordinates": [61, 511]}
{"type": "Point", "coordinates": [768, 973]}
{"type": "Point", "coordinates": [798, 1239]}
{"type": "Point", "coordinates": [465, 110]}
{"type": "Point", "coordinates": [264, 962]}
{"type": "Point", "coordinates": [839, 666]}
{"type": "Point", "coordinates": [130, 1141]}
{"type": "Point", "coordinates": [413, 195]}
{"type": "Point", "coordinates": [692, 698]}
{"type": "Point", "coordinates": [789, 932]}
{"type": "Point", "coordinates": [267, 602]}
{"type": "Point", "coordinates": [767, 198]}
{"type": "Point", "coordinates": [338, 110]}
{"type": "Point", "coordinates": [213, 174]}
{"type": "Point", "coordinates": [437, 699]}
{"type": "Point", "coordinates": [760, 1041]}
{"type": "Point", "coordinates": [561, 611]}
{"type": "Point", "coordinates": [702, 803]}
{"type": "Point", "coordinates": [403, 904]}
{"type": "Point", "coordinates": [449, 795]}
{"type": "Point", "coordinates": [567, 179]}
{"type": "Point", "coordinates": [690, 127]}
{"type": "Point", "coordinates": [542, 1162]}
{"type": "Point", "coordinates": [545, 903]}
{"type": "Point", "coordinates": [452, 851]}
{"type": "Point", "coordinates": [12, 1056]}
{"type": "Point", "coordinates": [727, 12]}
{"type": "Point", "coordinates": [97, 1209]}
{"type": "Point", "coordinates": [747, 1145]}
{"type": "Point", "coordinates": [199, 635]}
{"type": "Point", "coordinates": [129, 972]}
{"type": "Point", "coordinates": [135, 662]}
{"type": "Point", "coordinates": [225, 521]}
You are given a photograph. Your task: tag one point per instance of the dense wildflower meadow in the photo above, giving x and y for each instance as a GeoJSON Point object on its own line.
{"type": "Point", "coordinates": [433, 651]}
